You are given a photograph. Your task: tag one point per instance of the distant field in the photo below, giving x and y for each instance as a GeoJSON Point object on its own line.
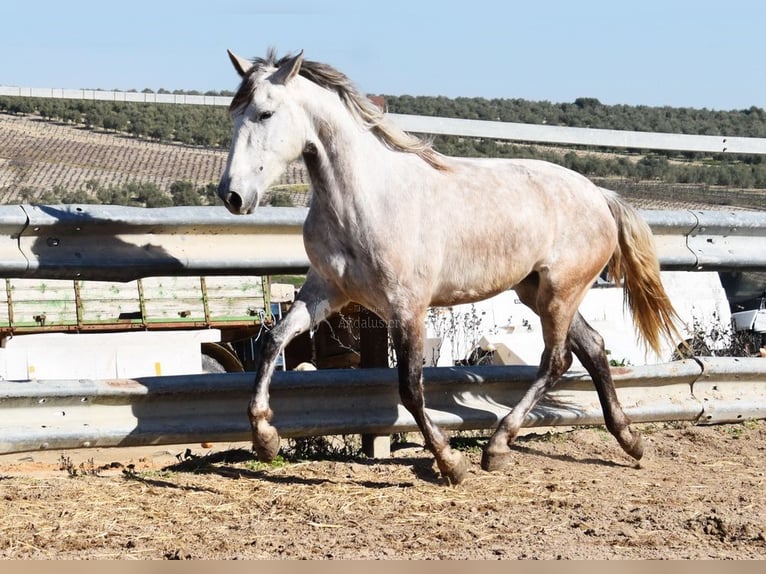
{"type": "Point", "coordinates": [37, 156]}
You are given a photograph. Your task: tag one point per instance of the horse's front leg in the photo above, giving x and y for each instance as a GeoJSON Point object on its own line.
{"type": "Point", "coordinates": [315, 302]}
{"type": "Point", "coordinates": [409, 338]}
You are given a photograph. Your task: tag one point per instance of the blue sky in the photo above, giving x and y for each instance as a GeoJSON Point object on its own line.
{"type": "Point", "coordinates": [700, 54]}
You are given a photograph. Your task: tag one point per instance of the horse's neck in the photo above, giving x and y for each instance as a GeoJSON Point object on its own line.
{"type": "Point", "coordinates": [344, 171]}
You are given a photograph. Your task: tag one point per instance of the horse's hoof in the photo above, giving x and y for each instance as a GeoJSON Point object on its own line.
{"type": "Point", "coordinates": [633, 444]}
{"type": "Point", "coordinates": [493, 460]}
{"type": "Point", "coordinates": [265, 441]}
{"type": "Point", "coordinates": [637, 449]}
{"type": "Point", "coordinates": [457, 473]}
{"type": "Point", "coordinates": [454, 468]}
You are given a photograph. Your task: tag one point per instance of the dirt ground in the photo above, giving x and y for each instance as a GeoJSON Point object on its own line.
{"type": "Point", "coordinates": [700, 493]}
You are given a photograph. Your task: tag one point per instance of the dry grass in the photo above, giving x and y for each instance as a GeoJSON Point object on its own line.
{"type": "Point", "coordinates": [701, 495]}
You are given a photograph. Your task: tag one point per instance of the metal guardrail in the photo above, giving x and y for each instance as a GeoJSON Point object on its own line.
{"type": "Point", "coordinates": [564, 135]}
{"type": "Point", "coordinates": [124, 243]}
{"type": "Point", "coordinates": [696, 240]}
{"type": "Point", "coordinates": [103, 242]}
{"type": "Point", "coordinates": [171, 410]}
{"type": "Point", "coordinates": [114, 96]}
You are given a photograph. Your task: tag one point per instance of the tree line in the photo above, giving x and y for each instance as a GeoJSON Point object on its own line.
{"type": "Point", "coordinates": [207, 126]}
{"type": "Point", "coordinates": [136, 194]}
{"type": "Point", "coordinates": [210, 125]}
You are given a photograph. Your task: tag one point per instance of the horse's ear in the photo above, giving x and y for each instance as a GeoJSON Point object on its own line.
{"type": "Point", "coordinates": [288, 70]}
{"type": "Point", "coordinates": [240, 64]}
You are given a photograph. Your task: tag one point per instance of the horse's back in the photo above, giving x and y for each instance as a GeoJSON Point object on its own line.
{"type": "Point", "coordinates": [523, 175]}
{"type": "Point", "coordinates": [502, 219]}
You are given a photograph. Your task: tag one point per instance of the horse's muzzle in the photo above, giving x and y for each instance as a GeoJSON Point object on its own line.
{"type": "Point", "coordinates": [231, 199]}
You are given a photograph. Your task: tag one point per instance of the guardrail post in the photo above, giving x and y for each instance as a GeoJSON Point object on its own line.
{"type": "Point", "coordinates": [373, 353]}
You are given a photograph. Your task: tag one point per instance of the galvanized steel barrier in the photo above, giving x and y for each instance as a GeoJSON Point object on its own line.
{"type": "Point", "coordinates": [114, 243]}
{"type": "Point", "coordinates": [124, 243]}
{"type": "Point", "coordinates": [170, 410]}
{"type": "Point", "coordinates": [566, 135]}
{"type": "Point", "coordinates": [696, 240]}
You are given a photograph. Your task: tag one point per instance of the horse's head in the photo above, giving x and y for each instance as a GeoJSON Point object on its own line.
{"type": "Point", "coordinates": [269, 130]}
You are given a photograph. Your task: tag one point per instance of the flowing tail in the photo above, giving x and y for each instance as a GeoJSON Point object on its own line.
{"type": "Point", "coordinates": [635, 264]}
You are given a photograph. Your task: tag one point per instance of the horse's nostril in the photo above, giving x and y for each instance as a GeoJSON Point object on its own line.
{"type": "Point", "coordinates": [234, 200]}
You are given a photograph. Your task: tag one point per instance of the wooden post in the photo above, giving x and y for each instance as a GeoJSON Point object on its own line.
{"type": "Point", "coordinates": [373, 351]}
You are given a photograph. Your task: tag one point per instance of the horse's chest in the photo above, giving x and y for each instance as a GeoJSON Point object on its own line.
{"type": "Point", "coordinates": [341, 261]}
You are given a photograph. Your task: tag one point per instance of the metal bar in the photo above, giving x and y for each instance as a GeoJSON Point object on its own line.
{"type": "Point", "coordinates": [13, 221]}
{"type": "Point", "coordinates": [579, 136]}
{"type": "Point", "coordinates": [178, 409]}
{"type": "Point", "coordinates": [114, 96]}
{"type": "Point", "coordinates": [671, 230]}
{"type": "Point", "coordinates": [728, 240]}
{"type": "Point", "coordinates": [731, 389]}
{"type": "Point", "coordinates": [124, 243]}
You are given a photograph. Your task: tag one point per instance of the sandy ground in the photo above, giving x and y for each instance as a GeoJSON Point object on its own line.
{"type": "Point", "coordinates": [700, 493]}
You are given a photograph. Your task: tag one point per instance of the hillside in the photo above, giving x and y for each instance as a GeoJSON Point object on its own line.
{"type": "Point", "coordinates": [39, 157]}
{"type": "Point", "coordinates": [42, 161]}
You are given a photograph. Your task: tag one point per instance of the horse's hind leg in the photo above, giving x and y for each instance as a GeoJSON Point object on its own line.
{"type": "Point", "coordinates": [556, 309]}
{"type": "Point", "coordinates": [314, 303]}
{"type": "Point", "coordinates": [408, 338]}
{"type": "Point", "coordinates": [553, 364]}
{"type": "Point", "coordinates": [588, 346]}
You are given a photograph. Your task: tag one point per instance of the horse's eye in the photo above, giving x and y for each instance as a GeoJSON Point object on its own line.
{"type": "Point", "coordinates": [263, 116]}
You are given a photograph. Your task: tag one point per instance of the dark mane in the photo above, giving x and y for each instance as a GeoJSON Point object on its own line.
{"type": "Point", "coordinates": [359, 105]}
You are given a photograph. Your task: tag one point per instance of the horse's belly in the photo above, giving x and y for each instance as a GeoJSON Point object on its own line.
{"type": "Point", "coordinates": [476, 282]}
